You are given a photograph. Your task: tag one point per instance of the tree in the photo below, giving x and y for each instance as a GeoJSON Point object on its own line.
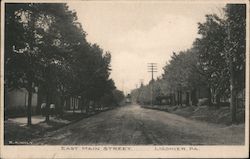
{"type": "Point", "coordinates": [60, 45]}
{"type": "Point", "coordinates": [43, 46]}
{"type": "Point", "coordinates": [21, 60]}
{"type": "Point", "coordinates": [235, 49]}
{"type": "Point", "coordinates": [212, 57]}
{"type": "Point", "coordinates": [180, 74]}
{"type": "Point", "coordinates": [46, 47]}
{"type": "Point", "coordinates": [96, 74]}
{"type": "Point", "coordinates": [118, 96]}
{"type": "Point", "coordinates": [222, 53]}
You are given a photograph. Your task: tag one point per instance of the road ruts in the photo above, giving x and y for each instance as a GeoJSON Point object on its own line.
{"type": "Point", "coordinates": [133, 125]}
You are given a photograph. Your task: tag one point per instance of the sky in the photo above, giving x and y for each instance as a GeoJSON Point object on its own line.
{"type": "Point", "coordinates": [137, 33]}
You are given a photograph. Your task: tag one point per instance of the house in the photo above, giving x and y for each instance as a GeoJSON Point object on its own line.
{"type": "Point", "coordinates": [16, 102]}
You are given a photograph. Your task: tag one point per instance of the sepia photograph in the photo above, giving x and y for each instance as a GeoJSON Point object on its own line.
{"type": "Point", "coordinates": [124, 78]}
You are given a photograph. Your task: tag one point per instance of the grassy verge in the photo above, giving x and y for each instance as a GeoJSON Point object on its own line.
{"type": "Point", "coordinates": [219, 115]}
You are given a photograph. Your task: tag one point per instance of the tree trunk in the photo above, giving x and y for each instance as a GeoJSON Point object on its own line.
{"type": "Point", "coordinates": [178, 98]}
{"type": "Point", "coordinates": [194, 99]}
{"type": "Point", "coordinates": [81, 105]}
{"type": "Point", "coordinates": [74, 106]}
{"type": "Point", "coordinates": [48, 92]}
{"type": "Point", "coordinates": [62, 104]}
{"type": "Point", "coordinates": [85, 103]}
{"type": "Point", "coordinates": [171, 99]}
{"type": "Point", "coordinates": [187, 98]}
{"type": "Point", "coordinates": [30, 72]}
{"type": "Point", "coordinates": [232, 92]}
{"type": "Point", "coordinates": [181, 98]}
{"type": "Point", "coordinates": [217, 101]}
{"type": "Point", "coordinates": [209, 96]}
{"type": "Point", "coordinates": [87, 106]}
{"type": "Point", "coordinates": [29, 123]}
{"type": "Point", "coordinates": [47, 106]}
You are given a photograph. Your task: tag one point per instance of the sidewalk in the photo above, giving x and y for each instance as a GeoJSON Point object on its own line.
{"type": "Point", "coordinates": [22, 121]}
{"type": "Point", "coordinates": [16, 131]}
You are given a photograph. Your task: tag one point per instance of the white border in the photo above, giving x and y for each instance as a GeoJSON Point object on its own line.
{"type": "Point", "coordinates": [136, 151]}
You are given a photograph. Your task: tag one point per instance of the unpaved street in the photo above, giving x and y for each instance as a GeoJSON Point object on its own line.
{"type": "Point", "coordinates": [133, 125]}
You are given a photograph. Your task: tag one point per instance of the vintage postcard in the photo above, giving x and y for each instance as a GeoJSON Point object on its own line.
{"type": "Point", "coordinates": [124, 79]}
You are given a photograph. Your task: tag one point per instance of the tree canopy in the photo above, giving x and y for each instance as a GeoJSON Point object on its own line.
{"type": "Point", "coordinates": [45, 46]}
{"type": "Point", "coordinates": [215, 61]}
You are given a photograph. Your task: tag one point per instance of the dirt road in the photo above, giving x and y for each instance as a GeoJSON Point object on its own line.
{"type": "Point", "coordinates": [133, 125]}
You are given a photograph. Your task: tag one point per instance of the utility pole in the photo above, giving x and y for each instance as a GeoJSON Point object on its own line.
{"type": "Point", "coordinates": [141, 82]}
{"type": "Point", "coordinates": [123, 86]}
{"type": "Point", "coordinates": [152, 68]}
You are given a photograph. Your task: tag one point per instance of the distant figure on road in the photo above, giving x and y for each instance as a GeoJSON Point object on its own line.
{"type": "Point", "coordinates": [52, 109]}
{"type": "Point", "coordinates": [43, 108]}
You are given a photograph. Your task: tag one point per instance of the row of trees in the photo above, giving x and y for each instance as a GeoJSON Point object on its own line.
{"type": "Point", "coordinates": [45, 47]}
{"type": "Point", "coordinates": [216, 61]}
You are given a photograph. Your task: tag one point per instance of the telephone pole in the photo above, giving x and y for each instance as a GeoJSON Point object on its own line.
{"type": "Point", "coordinates": [123, 86]}
{"type": "Point", "coordinates": [152, 68]}
{"type": "Point", "coordinates": [141, 82]}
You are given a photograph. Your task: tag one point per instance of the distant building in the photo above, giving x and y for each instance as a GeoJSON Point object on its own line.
{"type": "Point", "coordinates": [72, 103]}
{"type": "Point", "coordinates": [128, 99]}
